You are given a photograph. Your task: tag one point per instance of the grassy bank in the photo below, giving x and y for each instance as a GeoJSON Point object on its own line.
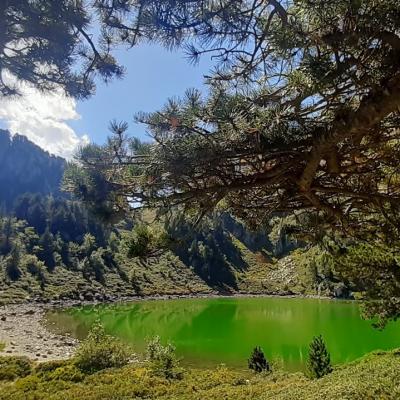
{"type": "Point", "coordinates": [374, 376]}
{"type": "Point", "coordinates": [164, 274]}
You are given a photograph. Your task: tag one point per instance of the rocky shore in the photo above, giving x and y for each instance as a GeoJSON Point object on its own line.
{"type": "Point", "coordinates": [23, 333]}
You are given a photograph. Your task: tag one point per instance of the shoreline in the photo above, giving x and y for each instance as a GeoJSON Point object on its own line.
{"type": "Point", "coordinates": [24, 334]}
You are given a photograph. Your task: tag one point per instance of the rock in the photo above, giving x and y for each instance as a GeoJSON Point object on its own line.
{"type": "Point", "coordinates": [98, 296]}
{"type": "Point", "coordinates": [342, 292]}
{"type": "Point", "coordinates": [88, 296]}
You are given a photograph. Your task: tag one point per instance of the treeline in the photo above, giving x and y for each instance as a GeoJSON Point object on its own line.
{"type": "Point", "coordinates": [42, 233]}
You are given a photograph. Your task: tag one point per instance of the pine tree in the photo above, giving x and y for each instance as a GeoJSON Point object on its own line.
{"type": "Point", "coordinates": [257, 361]}
{"type": "Point", "coordinates": [12, 265]}
{"type": "Point", "coordinates": [319, 360]}
{"type": "Point", "coordinates": [61, 51]}
{"type": "Point", "coordinates": [46, 253]}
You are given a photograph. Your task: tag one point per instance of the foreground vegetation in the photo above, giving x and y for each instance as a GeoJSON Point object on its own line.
{"type": "Point", "coordinates": [374, 376]}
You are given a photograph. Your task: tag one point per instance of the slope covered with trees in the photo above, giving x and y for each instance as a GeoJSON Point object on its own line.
{"type": "Point", "coordinates": [52, 247]}
{"type": "Point", "coordinates": [26, 168]}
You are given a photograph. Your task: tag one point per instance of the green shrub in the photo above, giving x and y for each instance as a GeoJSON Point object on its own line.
{"type": "Point", "coordinates": [257, 361]}
{"type": "Point", "coordinates": [49, 366]}
{"type": "Point", "coordinates": [27, 385]}
{"type": "Point", "coordinates": [319, 360]}
{"type": "Point", "coordinates": [14, 367]}
{"type": "Point", "coordinates": [140, 241]}
{"type": "Point", "coordinates": [100, 351]}
{"type": "Point", "coordinates": [35, 267]}
{"type": "Point", "coordinates": [2, 346]}
{"type": "Point", "coordinates": [69, 373]}
{"type": "Point", "coordinates": [163, 361]}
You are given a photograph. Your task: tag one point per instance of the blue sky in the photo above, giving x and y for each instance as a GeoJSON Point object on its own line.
{"type": "Point", "coordinates": [59, 125]}
{"type": "Point", "coordinates": [153, 75]}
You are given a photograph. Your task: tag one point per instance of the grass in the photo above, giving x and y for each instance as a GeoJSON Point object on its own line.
{"type": "Point", "coordinates": [374, 376]}
{"type": "Point", "coordinates": [163, 275]}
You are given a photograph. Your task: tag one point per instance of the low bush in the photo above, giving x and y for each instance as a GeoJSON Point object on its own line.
{"type": "Point", "coordinates": [99, 351]}
{"type": "Point", "coordinates": [68, 373]}
{"type": "Point", "coordinates": [163, 361]}
{"type": "Point", "coordinates": [59, 370]}
{"type": "Point", "coordinates": [49, 366]}
{"type": "Point", "coordinates": [14, 367]}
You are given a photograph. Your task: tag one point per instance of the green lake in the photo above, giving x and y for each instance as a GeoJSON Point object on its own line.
{"type": "Point", "coordinates": [207, 332]}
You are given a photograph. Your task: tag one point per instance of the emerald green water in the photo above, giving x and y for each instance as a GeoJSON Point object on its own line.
{"type": "Point", "coordinates": [208, 332]}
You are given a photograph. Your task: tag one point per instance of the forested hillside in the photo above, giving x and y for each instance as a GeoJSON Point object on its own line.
{"type": "Point", "coordinates": [25, 167]}
{"type": "Point", "coordinates": [51, 247]}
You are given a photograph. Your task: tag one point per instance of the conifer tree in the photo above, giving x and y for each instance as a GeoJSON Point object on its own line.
{"type": "Point", "coordinates": [12, 264]}
{"type": "Point", "coordinates": [257, 361]}
{"type": "Point", "coordinates": [47, 44]}
{"type": "Point", "coordinates": [319, 361]}
{"type": "Point", "coordinates": [46, 253]}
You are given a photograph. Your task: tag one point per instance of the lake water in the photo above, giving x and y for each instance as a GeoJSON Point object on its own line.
{"type": "Point", "coordinates": [207, 332]}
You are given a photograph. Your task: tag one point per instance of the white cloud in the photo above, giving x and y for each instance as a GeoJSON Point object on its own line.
{"type": "Point", "coordinates": [43, 118]}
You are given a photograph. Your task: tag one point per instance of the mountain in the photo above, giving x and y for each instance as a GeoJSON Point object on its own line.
{"type": "Point", "coordinates": [51, 247]}
{"type": "Point", "coordinates": [26, 168]}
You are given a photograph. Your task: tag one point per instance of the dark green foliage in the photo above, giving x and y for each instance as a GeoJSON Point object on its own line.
{"type": "Point", "coordinates": [140, 242]}
{"type": "Point", "coordinates": [12, 264]}
{"type": "Point", "coordinates": [163, 361]}
{"type": "Point", "coordinates": [61, 51]}
{"type": "Point", "coordinates": [319, 360]}
{"type": "Point", "coordinates": [14, 367]}
{"type": "Point", "coordinates": [257, 361]}
{"type": "Point", "coordinates": [374, 269]}
{"type": "Point", "coordinates": [26, 168]}
{"type": "Point", "coordinates": [99, 351]}
{"type": "Point", "coordinates": [46, 252]}
{"type": "Point", "coordinates": [281, 64]}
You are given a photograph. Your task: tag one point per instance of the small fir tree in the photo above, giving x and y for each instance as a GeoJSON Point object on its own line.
{"type": "Point", "coordinates": [257, 361]}
{"type": "Point", "coordinates": [319, 360]}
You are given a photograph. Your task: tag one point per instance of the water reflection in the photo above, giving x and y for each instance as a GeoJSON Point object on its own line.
{"type": "Point", "coordinates": [210, 331]}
